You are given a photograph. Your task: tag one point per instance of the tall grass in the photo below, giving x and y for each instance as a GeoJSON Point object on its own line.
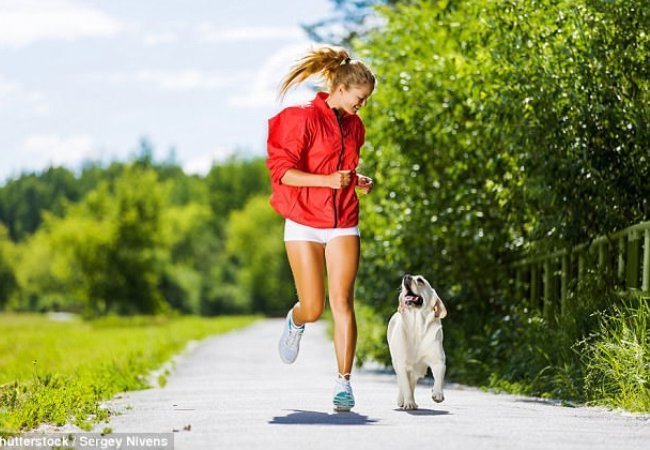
{"type": "Point", "coordinates": [55, 372]}
{"type": "Point", "coordinates": [617, 358]}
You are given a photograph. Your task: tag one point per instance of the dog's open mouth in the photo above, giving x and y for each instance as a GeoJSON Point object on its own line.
{"type": "Point", "coordinates": [412, 299]}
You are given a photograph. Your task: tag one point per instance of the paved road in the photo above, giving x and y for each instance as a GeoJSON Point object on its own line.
{"type": "Point", "coordinates": [236, 394]}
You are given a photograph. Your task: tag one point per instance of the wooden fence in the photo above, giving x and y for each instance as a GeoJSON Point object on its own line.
{"type": "Point", "coordinates": [546, 279]}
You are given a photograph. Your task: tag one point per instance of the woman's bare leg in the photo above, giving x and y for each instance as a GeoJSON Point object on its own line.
{"type": "Point", "coordinates": [342, 260]}
{"type": "Point", "coordinates": [307, 264]}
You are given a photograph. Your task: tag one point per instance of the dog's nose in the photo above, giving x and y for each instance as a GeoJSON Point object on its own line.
{"type": "Point", "coordinates": [407, 278]}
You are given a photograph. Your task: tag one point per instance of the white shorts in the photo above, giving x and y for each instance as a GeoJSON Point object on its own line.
{"type": "Point", "coordinates": [297, 232]}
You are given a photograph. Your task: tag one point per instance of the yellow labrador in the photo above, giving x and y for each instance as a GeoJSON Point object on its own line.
{"type": "Point", "coordinates": [415, 339]}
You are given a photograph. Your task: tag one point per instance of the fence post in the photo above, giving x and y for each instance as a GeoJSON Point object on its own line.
{"type": "Point", "coordinates": [533, 286]}
{"type": "Point", "coordinates": [633, 260]}
{"type": "Point", "coordinates": [564, 283]}
{"type": "Point", "coordinates": [548, 281]}
{"type": "Point", "coordinates": [646, 260]}
{"type": "Point", "coordinates": [548, 290]}
{"type": "Point", "coordinates": [581, 266]}
{"type": "Point", "coordinates": [621, 258]}
{"type": "Point", "coordinates": [518, 283]}
{"type": "Point", "coordinates": [602, 254]}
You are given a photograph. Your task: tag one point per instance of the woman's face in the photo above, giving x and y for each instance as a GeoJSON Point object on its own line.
{"type": "Point", "coordinates": [354, 97]}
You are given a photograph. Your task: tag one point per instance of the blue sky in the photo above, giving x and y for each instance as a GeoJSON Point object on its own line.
{"type": "Point", "coordinates": [86, 79]}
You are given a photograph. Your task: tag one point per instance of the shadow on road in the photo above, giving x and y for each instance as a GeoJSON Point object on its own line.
{"type": "Point", "coordinates": [423, 412]}
{"type": "Point", "coordinates": [548, 402]}
{"type": "Point", "coordinates": [300, 417]}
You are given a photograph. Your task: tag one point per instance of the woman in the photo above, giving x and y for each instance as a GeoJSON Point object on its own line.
{"type": "Point", "coordinates": [313, 152]}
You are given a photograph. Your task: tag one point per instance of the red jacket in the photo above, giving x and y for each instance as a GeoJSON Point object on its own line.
{"type": "Point", "coordinates": [311, 139]}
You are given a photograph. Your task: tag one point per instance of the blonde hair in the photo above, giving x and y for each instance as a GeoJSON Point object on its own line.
{"type": "Point", "coordinates": [333, 64]}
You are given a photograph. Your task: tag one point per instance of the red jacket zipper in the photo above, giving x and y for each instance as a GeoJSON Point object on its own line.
{"type": "Point", "coordinates": [338, 167]}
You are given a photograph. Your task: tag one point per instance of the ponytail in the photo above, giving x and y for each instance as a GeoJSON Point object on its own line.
{"type": "Point", "coordinates": [333, 64]}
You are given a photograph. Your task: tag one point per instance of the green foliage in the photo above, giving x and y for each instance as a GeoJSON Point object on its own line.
{"type": "Point", "coordinates": [55, 372]}
{"type": "Point", "coordinates": [617, 357]}
{"type": "Point", "coordinates": [193, 253]}
{"type": "Point", "coordinates": [22, 201]}
{"type": "Point", "coordinates": [144, 237]}
{"type": "Point", "coordinates": [496, 124]}
{"type": "Point", "coordinates": [576, 75]}
{"type": "Point", "coordinates": [445, 202]}
{"type": "Point", "coordinates": [255, 245]}
{"type": "Point", "coordinates": [232, 183]}
{"type": "Point", "coordinates": [135, 261]}
{"type": "Point", "coordinates": [8, 282]}
{"type": "Point", "coordinates": [372, 344]}
{"type": "Point", "coordinates": [104, 254]}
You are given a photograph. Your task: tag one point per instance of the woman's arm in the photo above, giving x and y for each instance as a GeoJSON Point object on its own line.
{"type": "Point", "coordinates": [335, 180]}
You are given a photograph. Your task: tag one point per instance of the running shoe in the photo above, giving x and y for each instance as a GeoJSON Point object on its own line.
{"type": "Point", "coordinates": [343, 396]}
{"type": "Point", "coordinates": [290, 340]}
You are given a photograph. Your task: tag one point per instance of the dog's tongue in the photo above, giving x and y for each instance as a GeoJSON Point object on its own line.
{"type": "Point", "coordinates": [412, 299]}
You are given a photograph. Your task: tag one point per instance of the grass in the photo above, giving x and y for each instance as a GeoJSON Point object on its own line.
{"type": "Point", "coordinates": [600, 358]}
{"type": "Point", "coordinates": [617, 358]}
{"type": "Point", "coordinates": [58, 372]}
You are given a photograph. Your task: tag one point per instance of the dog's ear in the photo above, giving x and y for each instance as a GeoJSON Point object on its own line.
{"type": "Point", "coordinates": [439, 308]}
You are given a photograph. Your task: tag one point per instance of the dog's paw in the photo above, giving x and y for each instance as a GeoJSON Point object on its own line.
{"type": "Point", "coordinates": [410, 404]}
{"type": "Point", "coordinates": [437, 397]}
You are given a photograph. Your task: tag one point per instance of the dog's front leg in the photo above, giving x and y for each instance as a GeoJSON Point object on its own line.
{"type": "Point", "coordinates": [438, 367]}
{"type": "Point", "coordinates": [439, 375]}
{"type": "Point", "coordinates": [405, 398]}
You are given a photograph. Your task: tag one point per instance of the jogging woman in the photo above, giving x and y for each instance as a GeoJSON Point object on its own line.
{"type": "Point", "coordinates": [313, 152]}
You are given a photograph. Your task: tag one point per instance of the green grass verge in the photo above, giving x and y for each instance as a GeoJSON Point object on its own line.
{"type": "Point", "coordinates": [617, 358]}
{"type": "Point", "coordinates": [59, 372]}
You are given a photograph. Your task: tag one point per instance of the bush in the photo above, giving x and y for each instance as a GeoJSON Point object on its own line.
{"type": "Point", "coordinates": [496, 124]}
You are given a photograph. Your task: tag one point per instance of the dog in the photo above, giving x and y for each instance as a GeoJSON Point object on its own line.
{"type": "Point", "coordinates": [415, 339]}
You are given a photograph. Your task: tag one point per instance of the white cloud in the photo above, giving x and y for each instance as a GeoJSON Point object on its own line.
{"type": "Point", "coordinates": [201, 164]}
{"type": "Point", "coordinates": [263, 90]}
{"type": "Point", "coordinates": [210, 33]}
{"type": "Point", "coordinates": [186, 79]}
{"type": "Point", "coordinates": [7, 87]}
{"type": "Point", "coordinates": [54, 150]}
{"type": "Point", "coordinates": [18, 102]}
{"type": "Point", "coordinates": [179, 80]}
{"type": "Point", "coordinates": [23, 22]}
{"type": "Point", "coordinates": [165, 37]}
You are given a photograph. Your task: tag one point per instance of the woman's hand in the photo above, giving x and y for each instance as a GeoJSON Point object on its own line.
{"type": "Point", "coordinates": [339, 179]}
{"type": "Point", "coordinates": [364, 183]}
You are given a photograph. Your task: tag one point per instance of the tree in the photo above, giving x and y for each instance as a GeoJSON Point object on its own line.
{"type": "Point", "coordinates": [351, 19]}
{"type": "Point", "coordinates": [193, 253]}
{"type": "Point", "coordinates": [24, 200]}
{"type": "Point", "coordinates": [231, 183]}
{"type": "Point", "coordinates": [255, 245]}
{"type": "Point", "coordinates": [8, 281]}
{"type": "Point", "coordinates": [446, 201]}
{"type": "Point", "coordinates": [135, 260]}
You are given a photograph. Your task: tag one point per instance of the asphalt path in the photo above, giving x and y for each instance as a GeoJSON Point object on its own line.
{"type": "Point", "coordinates": [232, 391]}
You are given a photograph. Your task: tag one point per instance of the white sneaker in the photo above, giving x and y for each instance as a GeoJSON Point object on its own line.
{"type": "Point", "coordinates": [290, 340]}
{"type": "Point", "coordinates": [343, 396]}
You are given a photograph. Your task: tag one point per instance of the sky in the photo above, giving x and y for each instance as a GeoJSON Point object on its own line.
{"type": "Point", "coordinates": [86, 80]}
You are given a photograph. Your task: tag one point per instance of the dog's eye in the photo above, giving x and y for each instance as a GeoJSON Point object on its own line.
{"type": "Point", "coordinates": [419, 281]}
